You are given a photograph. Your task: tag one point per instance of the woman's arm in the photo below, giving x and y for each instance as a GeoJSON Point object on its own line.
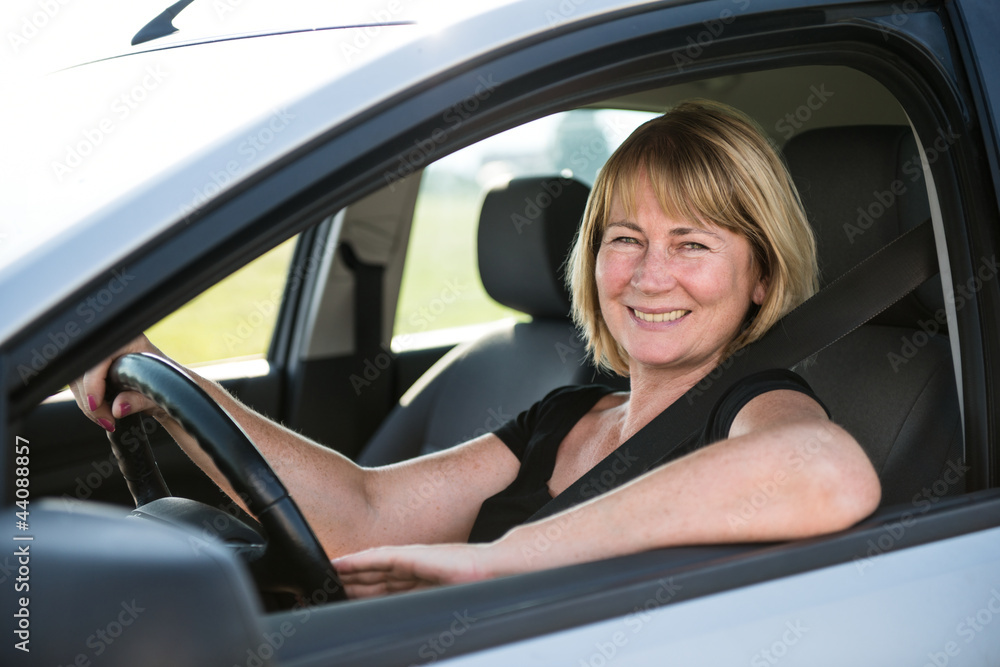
{"type": "Point", "coordinates": [428, 500]}
{"type": "Point", "coordinates": [785, 472]}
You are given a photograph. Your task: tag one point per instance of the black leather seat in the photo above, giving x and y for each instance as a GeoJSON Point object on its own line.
{"type": "Point", "coordinates": [890, 383]}
{"type": "Point", "coordinates": [525, 232]}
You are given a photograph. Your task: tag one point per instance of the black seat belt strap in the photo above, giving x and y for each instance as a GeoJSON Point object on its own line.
{"type": "Point", "coordinates": [856, 297]}
{"type": "Point", "coordinates": [375, 397]}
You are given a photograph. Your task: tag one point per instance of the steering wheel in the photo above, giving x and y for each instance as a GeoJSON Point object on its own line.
{"type": "Point", "coordinates": [290, 557]}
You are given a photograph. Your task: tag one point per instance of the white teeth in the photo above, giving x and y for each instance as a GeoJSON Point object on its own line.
{"type": "Point", "coordinates": [660, 317]}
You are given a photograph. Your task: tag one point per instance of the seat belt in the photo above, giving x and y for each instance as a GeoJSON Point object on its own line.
{"type": "Point", "coordinates": [850, 301]}
{"type": "Point", "coordinates": [374, 399]}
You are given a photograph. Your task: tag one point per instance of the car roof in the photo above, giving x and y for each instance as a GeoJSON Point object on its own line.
{"type": "Point", "coordinates": [113, 28]}
{"type": "Point", "coordinates": [112, 153]}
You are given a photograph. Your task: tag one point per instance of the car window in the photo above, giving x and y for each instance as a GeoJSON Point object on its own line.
{"type": "Point", "coordinates": [441, 299]}
{"type": "Point", "coordinates": [233, 319]}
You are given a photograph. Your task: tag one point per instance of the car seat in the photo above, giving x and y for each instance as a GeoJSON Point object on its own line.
{"type": "Point", "coordinates": [526, 229]}
{"type": "Point", "coordinates": [891, 383]}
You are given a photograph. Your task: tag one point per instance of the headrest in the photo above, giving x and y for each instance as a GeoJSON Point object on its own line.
{"type": "Point", "coordinates": [526, 230]}
{"type": "Point", "coordinates": [862, 187]}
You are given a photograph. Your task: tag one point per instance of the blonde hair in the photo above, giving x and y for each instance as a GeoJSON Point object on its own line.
{"type": "Point", "coordinates": [707, 163]}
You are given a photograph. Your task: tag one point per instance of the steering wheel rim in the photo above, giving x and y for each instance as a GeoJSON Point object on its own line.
{"type": "Point", "coordinates": [293, 549]}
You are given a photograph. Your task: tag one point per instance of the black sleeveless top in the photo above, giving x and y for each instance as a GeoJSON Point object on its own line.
{"type": "Point", "coordinates": [534, 437]}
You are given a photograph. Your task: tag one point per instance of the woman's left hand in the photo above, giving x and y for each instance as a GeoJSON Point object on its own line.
{"type": "Point", "coordinates": [397, 569]}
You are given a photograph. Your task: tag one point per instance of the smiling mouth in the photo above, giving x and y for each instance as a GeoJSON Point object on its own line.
{"type": "Point", "coordinates": [660, 317]}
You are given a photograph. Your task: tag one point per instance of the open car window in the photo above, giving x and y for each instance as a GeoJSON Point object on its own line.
{"type": "Point", "coordinates": [442, 298]}
{"type": "Point", "coordinates": [232, 321]}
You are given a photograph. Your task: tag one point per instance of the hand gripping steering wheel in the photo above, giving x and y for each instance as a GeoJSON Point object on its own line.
{"type": "Point", "coordinates": [292, 558]}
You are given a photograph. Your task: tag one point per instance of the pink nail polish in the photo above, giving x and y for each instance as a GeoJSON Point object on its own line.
{"type": "Point", "coordinates": [106, 425]}
{"type": "Point", "coordinates": [92, 402]}
{"type": "Point", "coordinates": [125, 409]}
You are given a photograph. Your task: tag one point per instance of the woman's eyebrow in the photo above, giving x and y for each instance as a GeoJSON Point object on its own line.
{"type": "Point", "coordinates": [676, 231]}
{"type": "Point", "coordinates": [624, 223]}
{"type": "Point", "coordinates": [684, 231]}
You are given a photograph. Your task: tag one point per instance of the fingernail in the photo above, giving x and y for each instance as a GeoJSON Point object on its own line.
{"type": "Point", "coordinates": [92, 402]}
{"type": "Point", "coordinates": [106, 425]}
{"type": "Point", "coordinates": [125, 409]}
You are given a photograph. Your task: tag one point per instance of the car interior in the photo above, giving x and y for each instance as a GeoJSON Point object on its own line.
{"type": "Point", "coordinates": [336, 373]}
{"type": "Point", "coordinates": [906, 415]}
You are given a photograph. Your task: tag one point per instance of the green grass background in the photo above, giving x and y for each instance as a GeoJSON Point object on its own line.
{"type": "Point", "coordinates": [442, 267]}
{"type": "Point", "coordinates": [235, 318]}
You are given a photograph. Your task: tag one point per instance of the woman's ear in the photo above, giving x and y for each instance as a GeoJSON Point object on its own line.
{"type": "Point", "coordinates": [759, 291]}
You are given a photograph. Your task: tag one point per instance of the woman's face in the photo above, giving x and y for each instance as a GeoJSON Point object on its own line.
{"type": "Point", "coordinates": [672, 293]}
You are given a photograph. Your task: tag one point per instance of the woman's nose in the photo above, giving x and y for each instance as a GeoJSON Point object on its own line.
{"type": "Point", "coordinates": [654, 274]}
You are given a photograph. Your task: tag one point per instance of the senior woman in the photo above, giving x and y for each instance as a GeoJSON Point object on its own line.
{"type": "Point", "coordinates": [693, 244]}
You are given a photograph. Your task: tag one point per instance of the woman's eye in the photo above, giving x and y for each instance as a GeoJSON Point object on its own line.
{"type": "Point", "coordinates": [627, 240]}
{"type": "Point", "coordinates": [694, 245]}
